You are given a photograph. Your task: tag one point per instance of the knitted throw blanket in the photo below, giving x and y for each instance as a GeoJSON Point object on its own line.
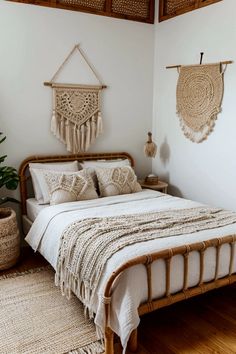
{"type": "Point", "coordinates": [87, 245]}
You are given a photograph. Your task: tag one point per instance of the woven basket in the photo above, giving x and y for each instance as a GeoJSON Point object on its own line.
{"type": "Point", "coordinates": [9, 238]}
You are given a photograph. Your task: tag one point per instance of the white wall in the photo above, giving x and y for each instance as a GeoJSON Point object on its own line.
{"type": "Point", "coordinates": [33, 43]}
{"type": "Point", "coordinates": [204, 172]}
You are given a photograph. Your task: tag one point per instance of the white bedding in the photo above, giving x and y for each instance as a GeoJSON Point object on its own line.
{"type": "Point", "coordinates": [45, 233]}
{"type": "Point", "coordinates": [33, 208]}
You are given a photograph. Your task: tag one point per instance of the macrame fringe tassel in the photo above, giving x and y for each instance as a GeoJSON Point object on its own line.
{"type": "Point", "coordinates": [76, 138]}
{"type": "Point", "coordinates": [93, 348]}
{"type": "Point", "coordinates": [201, 135]}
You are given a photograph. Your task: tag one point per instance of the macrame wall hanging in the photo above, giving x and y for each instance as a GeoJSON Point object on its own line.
{"type": "Point", "coordinates": [198, 96]}
{"type": "Point", "coordinates": [76, 118]}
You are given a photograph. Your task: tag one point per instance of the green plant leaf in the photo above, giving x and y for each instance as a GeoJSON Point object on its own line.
{"type": "Point", "coordinates": [8, 175]}
{"type": "Point", "coordinates": [3, 139]}
{"type": "Point", "coordinates": [2, 158]}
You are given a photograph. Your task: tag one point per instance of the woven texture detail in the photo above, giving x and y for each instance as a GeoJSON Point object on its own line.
{"type": "Point", "coordinates": [9, 238]}
{"type": "Point", "coordinates": [36, 319]}
{"type": "Point", "coordinates": [76, 118]}
{"type": "Point", "coordinates": [199, 96]}
{"type": "Point", "coordinates": [93, 4]}
{"type": "Point", "coordinates": [172, 6]}
{"type": "Point", "coordinates": [136, 8]}
{"type": "Point", "coordinates": [68, 187]}
{"type": "Point", "coordinates": [87, 245]}
{"type": "Point", "coordinates": [116, 181]}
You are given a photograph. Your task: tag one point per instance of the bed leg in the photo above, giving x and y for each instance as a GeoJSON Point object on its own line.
{"type": "Point", "coordinates": [109, 341]}
{"type": "Point", "coordinates": [133, 341]}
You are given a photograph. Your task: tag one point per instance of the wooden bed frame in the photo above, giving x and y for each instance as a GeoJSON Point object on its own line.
{"type": "Point", "coordinates": [167, 255]}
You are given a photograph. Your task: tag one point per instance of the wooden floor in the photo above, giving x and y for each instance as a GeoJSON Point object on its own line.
{"type": "Point", "coordinates": [203, 325]}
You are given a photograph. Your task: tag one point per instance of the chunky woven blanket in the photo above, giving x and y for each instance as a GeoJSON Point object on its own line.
{"type": "Point", "coordinates": [87, 245]}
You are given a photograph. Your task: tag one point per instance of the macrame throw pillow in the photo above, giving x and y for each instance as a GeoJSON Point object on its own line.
{"type": "Point", "coordinates": [70, 187]}
{"type": "Point", "coordinates": [115, 181]}
{"type": "Point", "coordinates": [93, 164]}
{"type": "Point", "coordinates": [40, 186]}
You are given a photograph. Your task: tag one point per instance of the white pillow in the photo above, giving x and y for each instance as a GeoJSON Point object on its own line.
{"type": "Point", "coordinates": [118, 180]}
{"type": "Point", "coordinates": [39, 183]}
{"type": "Point", "coordinates": [105, 163]}
{"type": "Point", "coordinates": [69, 186]}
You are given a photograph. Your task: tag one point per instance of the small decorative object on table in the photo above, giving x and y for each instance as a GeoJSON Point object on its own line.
{"type": "Point", "coordinates": [151, 179]}
{"type": "Point", "coordinates": [158, 186]}
{"type": "Point", "coordinates": [9, 233]}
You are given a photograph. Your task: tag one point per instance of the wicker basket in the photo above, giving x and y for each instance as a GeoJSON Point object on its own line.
{"type": "Point", "coordinates": [9, 238]}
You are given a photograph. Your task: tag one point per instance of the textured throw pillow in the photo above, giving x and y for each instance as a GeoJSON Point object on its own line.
{"type": "Point", "coordinates": [69, 187]}
{"type": "Point", "coordinates": [38, 180]}
{"type": "Point", "coordinates": [118, 180]}
{"type": "Point", "coordinates": [92, 165]}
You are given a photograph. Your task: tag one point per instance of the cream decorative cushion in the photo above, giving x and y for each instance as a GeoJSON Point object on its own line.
{"type": "Point", "coordinates": [39, 184]}
{"type": "Point", "coordinates": [69, 187]}
{"type": "Point", "coordinates": [93, 164]}
{"type": "Point", "coordinates": [118, 180]}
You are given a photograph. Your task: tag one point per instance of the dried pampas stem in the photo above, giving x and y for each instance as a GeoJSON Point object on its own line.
{"type": "Point", "coordinates": [150, 148]}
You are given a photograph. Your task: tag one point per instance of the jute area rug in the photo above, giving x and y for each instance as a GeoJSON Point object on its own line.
{"type": "Point", "coordinates": [36, 319]}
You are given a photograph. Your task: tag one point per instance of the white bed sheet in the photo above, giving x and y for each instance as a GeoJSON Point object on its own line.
{"type": "Point", "coordinates": [45, 233]}
{"type": "Point", "coordinates": [33, 208]}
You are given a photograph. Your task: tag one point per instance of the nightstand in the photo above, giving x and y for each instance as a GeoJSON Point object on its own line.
{"type": "Point", "coordinates": [160, 186]}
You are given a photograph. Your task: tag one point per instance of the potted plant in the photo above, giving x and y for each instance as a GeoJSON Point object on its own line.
{"type": "Point", "coordinates": [9, 233]}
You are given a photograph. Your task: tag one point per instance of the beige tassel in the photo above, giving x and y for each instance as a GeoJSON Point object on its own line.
{"type": "Point", "coordinates": [78, 140]}
{"type": "Point", "coordinates": [99, 124]}
{"type": "Point", "coordinates": [150, 148]}
{"type": "Point", "coordinates": [54, 123]}
{"type": "Point", "coordinates": [69, 136]}
{"type": "Point", "coordinates": [75, 140]}
{"type": "Point", "coordinates": [88, 135]}
{"type": "Point", "coordinates": [82, 143]}
{"type": "Point", "coordinates": [62, 136]}
{"type": "Point", "coordinates": [93, 129]}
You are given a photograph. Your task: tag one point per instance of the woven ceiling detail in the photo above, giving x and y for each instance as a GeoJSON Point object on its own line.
{"type": "Point", "coordinates": [174, 5]}
{"type": "Point", "coordinates": [172, 8]}
{"type": "Point", "coordinates": [135, 10]}
{"type": "Point", "coordinates": [93, 4]}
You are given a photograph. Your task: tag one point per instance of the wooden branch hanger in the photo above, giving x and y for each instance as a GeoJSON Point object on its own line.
{"type": "Point", "coordinates": [76, 47]}
{"type": "Point", "coordinates": [201, 57]}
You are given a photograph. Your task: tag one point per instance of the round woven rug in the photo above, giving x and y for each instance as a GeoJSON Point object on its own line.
{"type": "Point", "coordinates": [36, 319]}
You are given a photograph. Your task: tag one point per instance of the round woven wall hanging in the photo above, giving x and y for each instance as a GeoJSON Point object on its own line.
{"type": "Point", "coordinates": [199, 95]}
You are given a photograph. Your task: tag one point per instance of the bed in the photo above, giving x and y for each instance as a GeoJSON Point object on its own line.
{"type": "Point", "coordinates": [170, 269]}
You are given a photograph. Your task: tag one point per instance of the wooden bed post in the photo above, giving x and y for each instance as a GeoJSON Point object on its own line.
{"type": "Point", "coordinates": [133, 341]}
{"type": "Point", "coordinates": [109, 341]}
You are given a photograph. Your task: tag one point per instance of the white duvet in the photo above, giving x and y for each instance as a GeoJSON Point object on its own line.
{"type": "Point", "coordinates": [131, 287]}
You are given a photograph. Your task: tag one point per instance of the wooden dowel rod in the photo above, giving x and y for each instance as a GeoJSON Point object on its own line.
{"type": "Point", "coordinates": [179, 66]}
{"type": "Point", "coordinates": [48, 83]}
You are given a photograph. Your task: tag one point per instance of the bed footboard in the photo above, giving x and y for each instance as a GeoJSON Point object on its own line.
{"type": "Point", "coordinates": [152, 303]}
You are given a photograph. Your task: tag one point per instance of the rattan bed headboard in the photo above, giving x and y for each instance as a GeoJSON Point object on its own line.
{"type": "Point", "coordinates": [24, 167]}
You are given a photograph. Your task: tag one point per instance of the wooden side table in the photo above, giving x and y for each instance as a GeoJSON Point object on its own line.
{"type": "Point", "coordinates": [160, 186]}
